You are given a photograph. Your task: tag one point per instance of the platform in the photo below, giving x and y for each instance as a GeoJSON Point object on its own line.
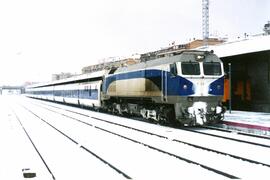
{"type": "Point", "coordinates": [250, 122]}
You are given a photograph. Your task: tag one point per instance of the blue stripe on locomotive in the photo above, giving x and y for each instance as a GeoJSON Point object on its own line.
{"type": "Point", "coordinates": [217, 87]}
{"type": "Point", "coordinates": [175, 84]}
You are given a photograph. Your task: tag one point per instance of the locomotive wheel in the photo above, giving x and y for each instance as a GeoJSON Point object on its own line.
{"type": "Point", "coordinates": [166, 116]}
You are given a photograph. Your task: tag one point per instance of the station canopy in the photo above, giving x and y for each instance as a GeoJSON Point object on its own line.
{"type": "Point", "coordinates": [241, 46]}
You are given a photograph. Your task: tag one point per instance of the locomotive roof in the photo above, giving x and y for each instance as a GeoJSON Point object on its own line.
{"type": "Point", "coordinates": [183, 56]}
{"type": "Point", "coordinates": [94, 75]}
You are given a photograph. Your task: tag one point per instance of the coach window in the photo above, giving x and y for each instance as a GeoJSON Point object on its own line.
{"type": "Point", "coordinates": [190, 68]}
{"type": "Point", "coordinates": [212, 68]}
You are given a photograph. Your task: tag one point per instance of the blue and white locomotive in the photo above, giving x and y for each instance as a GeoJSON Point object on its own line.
{"type": "Point", "coordinates": [186, 88]}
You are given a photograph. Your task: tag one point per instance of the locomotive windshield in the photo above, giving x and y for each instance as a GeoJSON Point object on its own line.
{"type": "Point", "coordinates": [190, 68]}
{"type": "Point", "coordinates": [212, 68]}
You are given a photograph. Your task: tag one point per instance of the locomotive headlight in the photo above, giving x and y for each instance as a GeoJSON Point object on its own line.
{"type": "Point", "coordinates": [185, 86]}
{"type": "Point", "coordinates": [213, 109]}
{"type": "Point", "coordinates": [218, 110]}
{"type": "Point", "coordinates": [200, 57]}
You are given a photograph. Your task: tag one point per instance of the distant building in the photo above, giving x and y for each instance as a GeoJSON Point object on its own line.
{"type": "Point", "coordinates": [163, 52]}
{"type": "Point", "coordinates": [266, 28]}
{"type": "Point", "coordinates": [168, 51]}
{"type": "Point", "coordinates": [176, 49]}
{"type": "Point", "coordinates": [61, 76]}
{"type": "Point", "coordinates": [198, 43]}
{"type": "Point", "coordinates": [11, 90]}
{"type": "Point", "coordinates": [110, 63]}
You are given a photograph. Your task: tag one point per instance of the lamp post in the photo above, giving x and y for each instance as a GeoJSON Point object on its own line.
{"type": "Point", "coordinates": [230, 87]}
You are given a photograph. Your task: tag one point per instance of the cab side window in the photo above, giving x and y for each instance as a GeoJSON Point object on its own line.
{"type": "Point", "coordinates": [173, 69]}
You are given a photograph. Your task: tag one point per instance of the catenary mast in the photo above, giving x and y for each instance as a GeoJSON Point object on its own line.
{"type": "Point", "coordinates": [205, 21]}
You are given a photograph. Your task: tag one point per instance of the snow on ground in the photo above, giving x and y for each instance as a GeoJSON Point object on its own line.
{"type": "Point", "coordinates": [248, 151]}
{"type": "Point", "coordinates": [236, 148]}
{"type": "Point", "coordinates": [254, 118]}
{"type": "Point", "coordinates": [65, 160]}
{"type": "Point", "coordinates": [68, 161]}
{"type": "Point", "coordinates": [16, 152]}
{"type": "Point", "coordinates": [136, 160]}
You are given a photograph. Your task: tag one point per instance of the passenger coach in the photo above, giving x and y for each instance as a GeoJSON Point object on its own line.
{"type": "Point", "coordinates": [82, 90]}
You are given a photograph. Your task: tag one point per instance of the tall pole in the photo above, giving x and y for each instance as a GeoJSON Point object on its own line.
{"type": "Point", "coordinates": [230, 88]}
{"type": "Point", "coordinates": [205, 21]}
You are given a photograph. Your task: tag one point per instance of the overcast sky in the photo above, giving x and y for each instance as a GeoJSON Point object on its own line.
{"type": "Point", "coordinates": [42, 37]}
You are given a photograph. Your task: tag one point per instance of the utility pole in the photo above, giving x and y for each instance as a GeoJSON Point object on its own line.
{"type": "Point", "coordinates": [205, 21]}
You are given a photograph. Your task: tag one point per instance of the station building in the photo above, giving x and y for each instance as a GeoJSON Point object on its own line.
{"type": "Point", "coordinates": [111, 63]}
{"type": "Point", "coordinates": [62, 75]}
{"type": "Point", "coordinates": [250, 71]}
{"type": "Point", "coordinates": [11, 90]}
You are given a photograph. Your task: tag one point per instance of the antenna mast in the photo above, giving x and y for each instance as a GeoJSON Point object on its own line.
{"type": "Point", "coordinates": [205, 21]}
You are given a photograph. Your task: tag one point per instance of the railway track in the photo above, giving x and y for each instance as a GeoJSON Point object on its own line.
{"type": "Point", "coordinates": [173, 139]}
{"type": "Point", "coordinates": [234, 131]}
{"type": "Point", "coordinates": [35, 147]}
{"type": "Point", "coordinates": [211, 133]}
{"type": "Point", "coordinates": [132, 140]}
{"type": "Point", "coordinates": [205, 130]}
{"type": "Point", "coordinates": [72, 140]}
{"type": "Point", "coordinates": [168, 139]}
{"type": "Point", "coordinates": [49, 163]}
{"type": "Point", "coordinates": [217, 128]}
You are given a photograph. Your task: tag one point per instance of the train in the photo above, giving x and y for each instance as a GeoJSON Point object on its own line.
{"type": "Point", "coordinates": [184, 88]}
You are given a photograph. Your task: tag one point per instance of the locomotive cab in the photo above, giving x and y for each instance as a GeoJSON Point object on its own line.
{"type": "Point", "coordinates": [204, 90]}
